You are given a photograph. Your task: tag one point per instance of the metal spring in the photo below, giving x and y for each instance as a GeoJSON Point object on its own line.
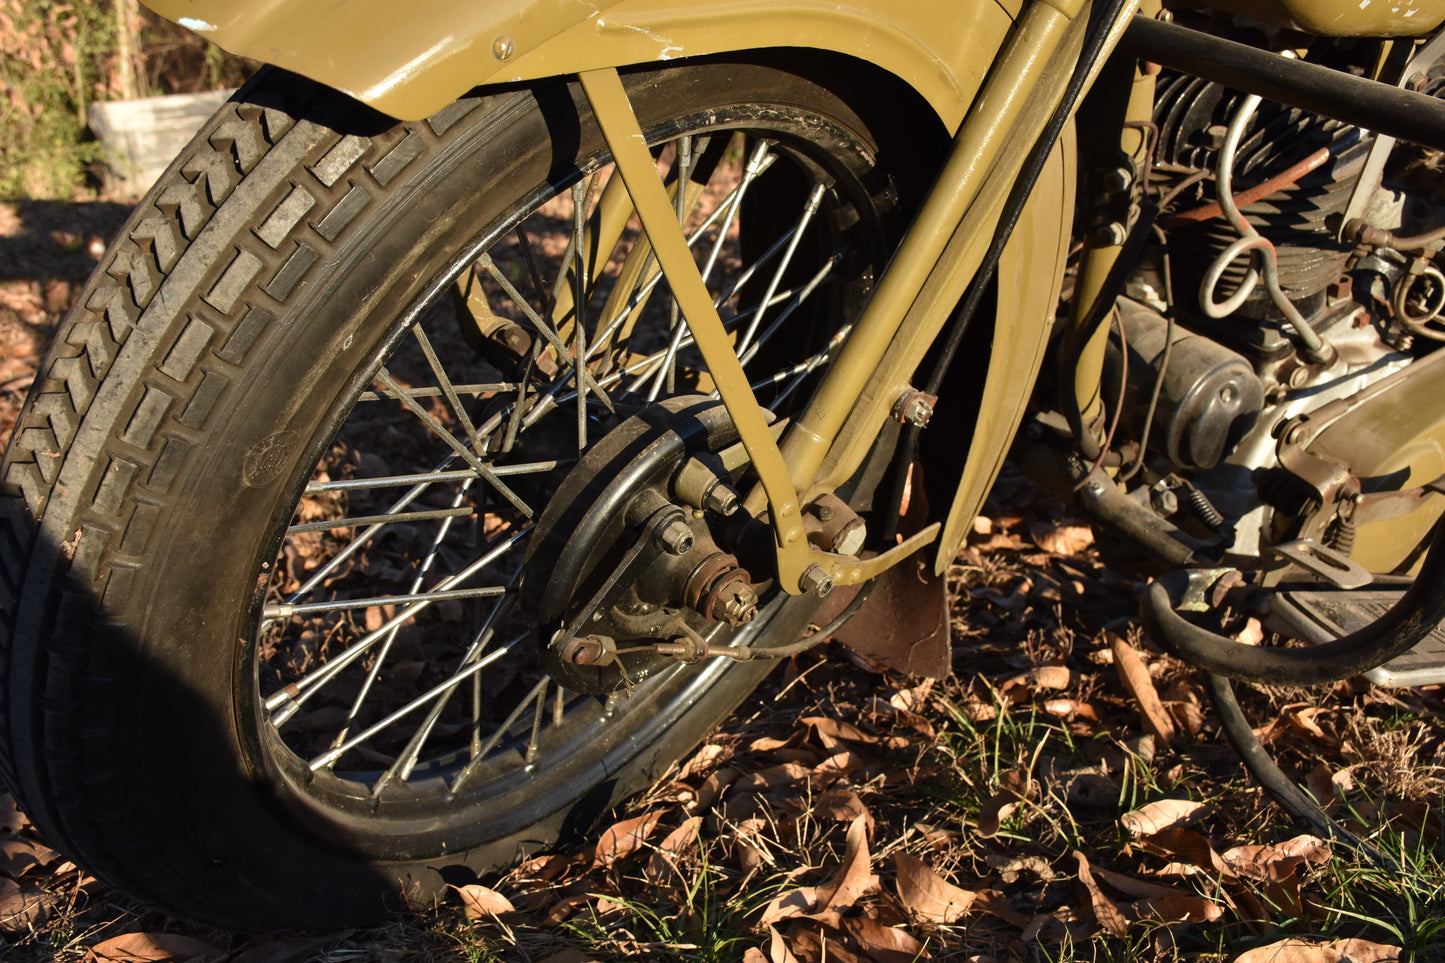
{"type": "Point", "coordinates": [1342, 535]}
{"type": "Point", "coordinates": [1203, 509]}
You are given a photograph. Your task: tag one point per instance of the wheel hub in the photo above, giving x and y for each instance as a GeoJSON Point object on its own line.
{"type": "Point", "coordinates": [632, 551]}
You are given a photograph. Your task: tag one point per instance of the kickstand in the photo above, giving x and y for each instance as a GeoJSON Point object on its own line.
{"type": "Point", "coordinates": [1241, 736]}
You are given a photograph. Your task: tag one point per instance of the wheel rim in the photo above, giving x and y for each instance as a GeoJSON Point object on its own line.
{"type": "Point", "coordinates": [393, 670]}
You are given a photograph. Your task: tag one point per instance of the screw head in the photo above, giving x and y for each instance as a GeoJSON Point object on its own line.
{"type": "Point", "coordinates": [502, 47]}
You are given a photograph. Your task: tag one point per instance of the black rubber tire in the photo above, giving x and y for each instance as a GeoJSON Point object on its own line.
{"type": "Point", "coordinates": [242, 311]}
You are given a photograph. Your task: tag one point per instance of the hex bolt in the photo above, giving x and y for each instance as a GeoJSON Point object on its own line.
{"type": "Point", "coordinates": [722, 499]}
{"type": "Point", "coordinates": [816, 581]}
{"type": "Point", "coordinates": [675, 537]}
{"type": "Point", "coordinates": [851, 537]}
{"type": "Point", "coordinates": [1164, 500]}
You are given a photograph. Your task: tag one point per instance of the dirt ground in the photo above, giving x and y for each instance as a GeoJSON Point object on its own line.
{"type": "Point", "coordinates": [1063, 794]}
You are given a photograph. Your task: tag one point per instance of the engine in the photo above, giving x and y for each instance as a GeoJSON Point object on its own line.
{"type": "Point", "coordinates": [1212, 360]}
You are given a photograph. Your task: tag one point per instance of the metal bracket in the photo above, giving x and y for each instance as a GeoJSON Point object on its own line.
{"type": "Point", "coordinates": [1328, 564]}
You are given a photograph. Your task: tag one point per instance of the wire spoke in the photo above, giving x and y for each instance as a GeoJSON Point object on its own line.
{"type": "Point", "coordinates": [545, 329]}
{"type": "Point", "coordinates": [287, 701]}
{"type": "Point", "coordinates": [365, 538]}
{"type": "Point", "coordinates": [436, 428]}
{"type": "Point", "coordinates": [449, 389]}
{"type": "Point", "coordinates": [406, 761]}
{"type": "Point", "coordinates": [795, 235]}
{"type": "Point", "coordinates": [480, 752]}
{"type": "Point", "coordinates": [329, 757]}
{"type": "Point", "coordinates": [385, 650]}
{"type": "Point", "coordinates": [396, 481]}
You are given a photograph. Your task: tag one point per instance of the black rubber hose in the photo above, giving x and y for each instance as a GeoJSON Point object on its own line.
{"type": "Point", "coordinates": [1241, 736]}
{"type": "Point", "coordinates": [1397, 631]}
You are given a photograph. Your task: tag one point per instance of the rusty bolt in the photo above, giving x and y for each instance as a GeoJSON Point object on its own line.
{"type": "Point", "coordinates": [816, 581]}
{"type": "Point", "coordinates": [592, 650]}
{"type": "Point", "coordinates": [675, 537]}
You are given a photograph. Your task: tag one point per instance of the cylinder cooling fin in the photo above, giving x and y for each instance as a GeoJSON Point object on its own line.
{"type": "Point", "coordinates": [1314, 160]}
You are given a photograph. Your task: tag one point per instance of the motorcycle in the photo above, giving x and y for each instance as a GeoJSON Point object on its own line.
{"type": "Point", "coordinates": [484, 401]}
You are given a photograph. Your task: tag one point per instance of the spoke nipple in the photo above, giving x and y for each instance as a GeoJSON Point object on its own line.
{"type": "Point", "coordinates": [816, 581]}
{"type": "Point", "coordinates": [675, 537]}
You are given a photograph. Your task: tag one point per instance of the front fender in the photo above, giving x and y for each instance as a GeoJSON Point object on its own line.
{"type": "Point", "coordinates": [410, 62]}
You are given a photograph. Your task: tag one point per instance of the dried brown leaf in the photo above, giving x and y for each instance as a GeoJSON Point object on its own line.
{"type": "Point", "coordinates": [713, 787]}
{"type": "Point", "coordinates": [1160, 815]}
{"type": "Point", "coordinates": [831, 731]}
{"type": "Point", "coordinates": [1174, 909]}
{"type": "Point", "coordinates": [1184, 844]}
{"type": "Point", "coordinates": [1276, 861]}
{"type": "Point", "coordinates": [481, 902]}
{"type": "Point", "coordinates": [996, 904]}
{"type": "Point", "coordinates": [706, 759]}
{"type": "Point", "coordinates": [1062, 539]}
{"type": "Point", "coordinates": [663, 864]}
{"type": "Point", "coordinates": [623, 839]}
{"type": "Point", "coordinates": [151, 948]}
{"type": "Point", "coordinates": [790, 905]}
{"type": "Point", "coordinates": [19, 856]}
{"type": "Point", "coordinates": [928, 896]}
{"type": "Point", "coordinates": [777, 777]}
{"type": "Point", "coordinates": [1051, 677]}
{"type": "Point", "coordinates": [939, 839]}
{"type": "Point", "coordinates": [755, 955]}
{"type": "Point", "coordinates": [22, 908]}
{"type": "Point", "coordinates": [1251, 634]}
{"type": "Point", "coordinates": [883, 944]}
{"type": "Point", "coordinates": [1305, 951]}
{"type": "Point", "coordinates": [1135, 676]}
{"type": "Point", "coordinates": [1108, 915]}
{"type": "Point", "coordinates": [854, 879]}
{"type": "Point", "coordinates": [1016, 787]}
{"type": "Point", "coordinates": [843, 805]}
{"type": "Point", "coordinates": [778, 950]}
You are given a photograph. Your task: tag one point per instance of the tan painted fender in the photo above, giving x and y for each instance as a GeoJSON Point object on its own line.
{"type": "Point", "coordinates": [410, 60]}
{"type": "Point", "coordinates": [1029, 276]}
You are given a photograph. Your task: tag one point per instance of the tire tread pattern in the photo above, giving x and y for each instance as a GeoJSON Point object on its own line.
{"type": "Point", "coordinates": [208, 331]}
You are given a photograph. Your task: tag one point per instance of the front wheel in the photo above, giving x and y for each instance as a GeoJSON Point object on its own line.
{"type": "Point", "coordinates": [287, 507]}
